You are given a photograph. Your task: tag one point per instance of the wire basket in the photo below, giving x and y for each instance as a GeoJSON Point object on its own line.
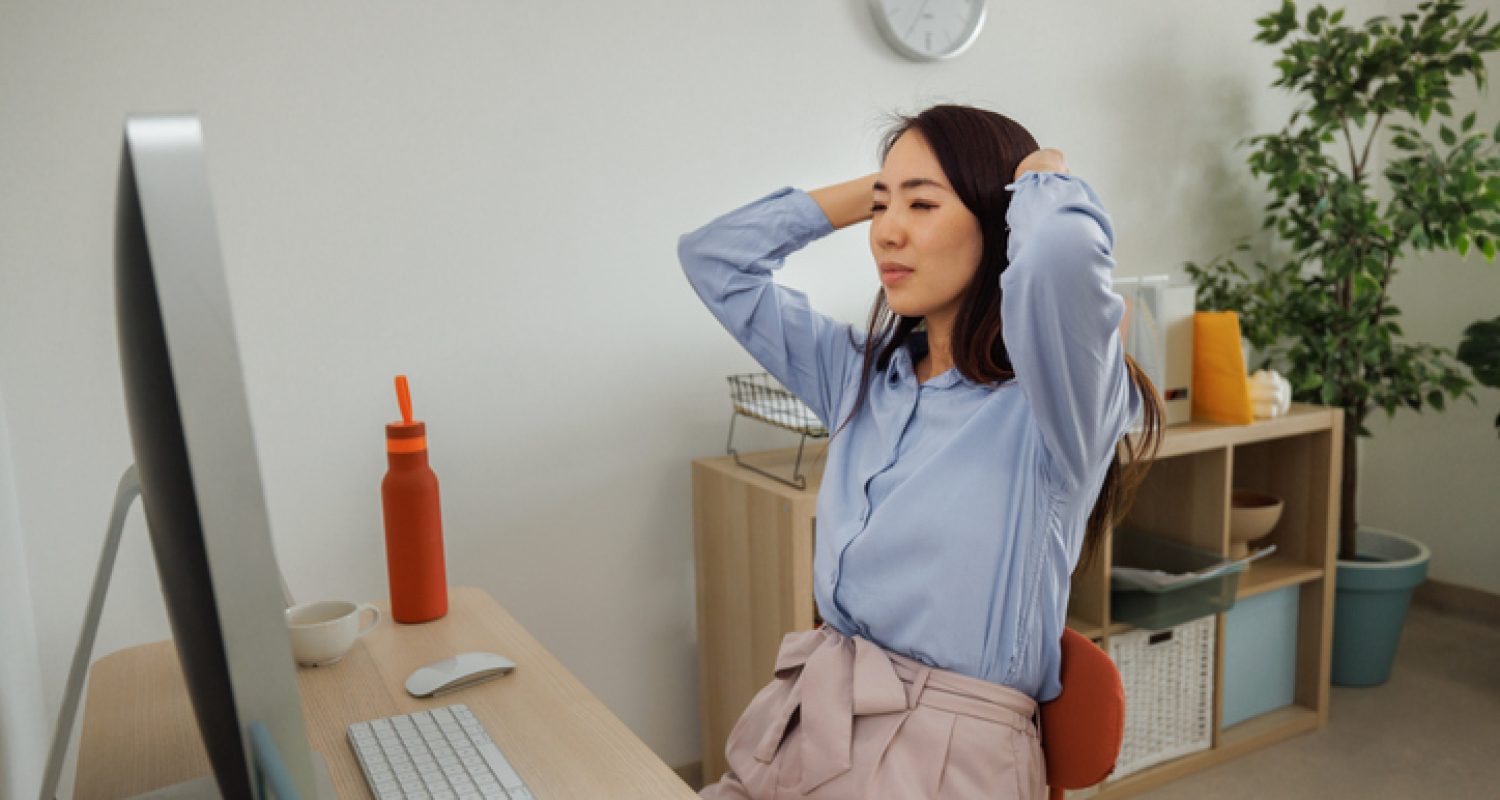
{"type": "Point", "coordinates": [760, 397]}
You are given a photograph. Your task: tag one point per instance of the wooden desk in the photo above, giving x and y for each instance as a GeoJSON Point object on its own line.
{"type": "Point", "coordinates": [139, 733]}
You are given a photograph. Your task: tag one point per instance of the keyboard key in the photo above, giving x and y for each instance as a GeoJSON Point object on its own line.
{"type": "Point", "coordinates": [503, 770]}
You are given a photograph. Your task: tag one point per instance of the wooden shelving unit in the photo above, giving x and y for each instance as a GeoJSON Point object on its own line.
{"type": "Point", "coordinates": [753, 539]}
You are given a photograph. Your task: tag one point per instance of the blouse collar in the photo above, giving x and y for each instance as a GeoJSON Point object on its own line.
{"type": "Point", "coordinates": [903, 363]}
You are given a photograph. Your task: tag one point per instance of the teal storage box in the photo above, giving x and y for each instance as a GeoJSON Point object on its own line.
{"type": "Point", "coordinates": [1161, 609]}
{"type": "Point", "coordinates": [1260, 655]}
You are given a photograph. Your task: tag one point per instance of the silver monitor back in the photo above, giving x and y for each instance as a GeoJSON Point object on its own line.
{"type": "Point", "coordinates": [195, 451]}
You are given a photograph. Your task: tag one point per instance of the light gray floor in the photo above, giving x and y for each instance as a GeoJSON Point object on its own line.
{"type": "Point", "coordinates": [1433, 730]}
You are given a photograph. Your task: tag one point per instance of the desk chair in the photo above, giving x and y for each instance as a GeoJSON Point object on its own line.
{"type": "Point", "coordinates": [1082, 727]}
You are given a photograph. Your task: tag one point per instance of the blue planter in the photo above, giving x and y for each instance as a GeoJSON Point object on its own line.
{"type": "Point", "coordinates": [1371, 598]}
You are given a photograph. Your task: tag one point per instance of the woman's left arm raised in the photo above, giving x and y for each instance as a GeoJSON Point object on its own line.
{"type": "Point", "coordinates": [1061, 318]}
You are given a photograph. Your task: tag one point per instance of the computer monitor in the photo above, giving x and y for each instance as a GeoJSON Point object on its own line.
{"type": "Point", "coordinates": [199, 476]}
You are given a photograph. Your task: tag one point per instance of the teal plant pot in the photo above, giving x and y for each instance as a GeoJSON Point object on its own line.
{"type": "Point", "coordinates": [1372, 595]}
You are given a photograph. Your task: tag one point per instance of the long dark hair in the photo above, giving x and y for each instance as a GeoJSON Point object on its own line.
{"type": "Point", "coordinates": [979, 151]}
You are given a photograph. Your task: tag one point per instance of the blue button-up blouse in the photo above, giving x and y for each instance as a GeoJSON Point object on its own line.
{"type": "Point", "coordinates": [951, 513]}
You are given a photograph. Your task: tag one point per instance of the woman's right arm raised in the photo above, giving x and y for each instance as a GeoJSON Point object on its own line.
{"type": "Point", "coordinates": [729, 263]}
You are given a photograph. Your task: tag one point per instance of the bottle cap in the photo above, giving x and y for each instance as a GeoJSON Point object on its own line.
{"type": "Point", "coordinates": [406, 437]}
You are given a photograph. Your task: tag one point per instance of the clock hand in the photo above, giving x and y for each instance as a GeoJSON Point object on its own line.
{"type": "Point", "coordinates": [917, 18]}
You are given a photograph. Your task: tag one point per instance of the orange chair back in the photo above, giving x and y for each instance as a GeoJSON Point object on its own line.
{"type": "Point", "coordinates": [1082, 727]}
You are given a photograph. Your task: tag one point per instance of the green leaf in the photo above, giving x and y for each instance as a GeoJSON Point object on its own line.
{"type": "Point", "coordinates": [1468, 122]}
{"type": "Point", "coordinates": [1447, 135]}
{"type": "Point", "coordinates": [1435, 398]}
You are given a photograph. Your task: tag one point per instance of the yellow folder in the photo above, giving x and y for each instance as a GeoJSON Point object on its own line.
{"type": "Point", "coordinates": [1221, 390]}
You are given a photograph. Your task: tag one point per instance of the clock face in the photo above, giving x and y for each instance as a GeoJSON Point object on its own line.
{"type": "Point", "coordinates": [929, 29]}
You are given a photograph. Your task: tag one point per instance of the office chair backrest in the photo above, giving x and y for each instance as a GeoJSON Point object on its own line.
{"type": "Point", "coordinates": [1082, 727]}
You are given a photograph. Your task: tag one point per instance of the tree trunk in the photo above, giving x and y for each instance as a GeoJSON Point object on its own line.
{"type": "Point", "coordinates": [1348, 486]}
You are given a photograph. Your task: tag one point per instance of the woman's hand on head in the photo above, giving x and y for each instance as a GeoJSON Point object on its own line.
{"type": "Point", "coordinates": [846, 203]}
{"type": "Point", "coordinates": [1047, 159]}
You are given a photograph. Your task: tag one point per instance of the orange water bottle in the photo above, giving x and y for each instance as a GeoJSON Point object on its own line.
{"type": "Point", "coordinates": [413, 520]}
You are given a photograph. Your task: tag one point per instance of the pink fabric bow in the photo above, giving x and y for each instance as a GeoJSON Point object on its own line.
{"type": "Point", "coordinates": [840, 678]}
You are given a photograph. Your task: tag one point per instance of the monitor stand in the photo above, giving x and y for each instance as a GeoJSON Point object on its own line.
{"type": "Point", "coordinates": [268, 762]}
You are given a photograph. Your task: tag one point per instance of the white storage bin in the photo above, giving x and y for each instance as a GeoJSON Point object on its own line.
{"type": "Point", "coordinates": [1169, 693]}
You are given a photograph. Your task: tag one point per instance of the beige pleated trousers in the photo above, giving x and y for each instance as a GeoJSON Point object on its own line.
{"type": "Point", "coordinates": [845, 718]}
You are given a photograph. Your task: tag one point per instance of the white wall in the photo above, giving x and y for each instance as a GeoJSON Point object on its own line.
{"type": "Point", "coordinates": [487, 196]}
{"type": "Point", "coordinates": [24, 726]}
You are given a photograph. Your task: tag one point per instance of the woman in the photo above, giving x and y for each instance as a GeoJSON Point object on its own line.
{"type": "Point", "coordinates": [974, 462]}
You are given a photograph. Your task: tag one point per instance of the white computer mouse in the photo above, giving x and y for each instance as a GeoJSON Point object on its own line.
{"type": "Point", "coordinates": [451, 674]}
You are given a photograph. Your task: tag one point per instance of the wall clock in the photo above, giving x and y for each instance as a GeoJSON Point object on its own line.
{"type": "Point", "coordinates": [928, 30]}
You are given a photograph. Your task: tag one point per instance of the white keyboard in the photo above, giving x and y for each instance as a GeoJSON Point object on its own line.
{"type": "Point", "coordinates": [438, 753]}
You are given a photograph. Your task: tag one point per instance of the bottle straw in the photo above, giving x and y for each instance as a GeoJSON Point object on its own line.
{"type": "Point", "coordinates": [403, 396]}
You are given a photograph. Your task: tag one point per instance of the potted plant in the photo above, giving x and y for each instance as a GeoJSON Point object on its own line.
{"type": "Point", "coordinates": [1322, 314]}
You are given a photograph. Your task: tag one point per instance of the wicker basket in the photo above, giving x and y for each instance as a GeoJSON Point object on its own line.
{"type": "Point", "coordinates": [1169, 693]}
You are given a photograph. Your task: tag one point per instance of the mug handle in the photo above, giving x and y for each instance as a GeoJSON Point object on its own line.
{"type": "Point", "coordinates": [363, 607]}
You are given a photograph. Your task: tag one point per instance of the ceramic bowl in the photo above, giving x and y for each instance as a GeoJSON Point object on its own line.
{"type": "Point", "coordinates": [1251, 516]}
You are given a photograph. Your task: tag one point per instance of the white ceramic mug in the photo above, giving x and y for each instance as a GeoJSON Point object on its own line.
{"type": "Point", "coordinates": [323, 632]}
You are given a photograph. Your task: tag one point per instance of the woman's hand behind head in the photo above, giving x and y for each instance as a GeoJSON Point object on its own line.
{"type": "Point", "coordinates": [1047, 159]}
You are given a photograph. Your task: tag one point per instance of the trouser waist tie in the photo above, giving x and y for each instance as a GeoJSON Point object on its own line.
{"type": "Point", "coordinates": [836, 678]}
{"type": "Point", "coordinates": [825, 662]}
